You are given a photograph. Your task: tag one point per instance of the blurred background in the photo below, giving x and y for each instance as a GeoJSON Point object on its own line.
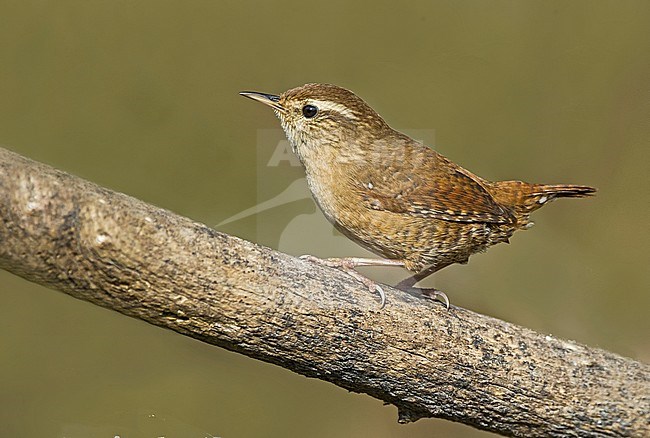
{"type": "Point", "coordinates": [141, 97]}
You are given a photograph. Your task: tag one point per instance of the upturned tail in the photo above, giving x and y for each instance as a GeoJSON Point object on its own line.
{"type": "Point", "coordinates": [524, 198]}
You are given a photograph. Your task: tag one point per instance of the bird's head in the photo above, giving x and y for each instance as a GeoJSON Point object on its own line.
{"type": "Point", "coordinates": [319, 116]}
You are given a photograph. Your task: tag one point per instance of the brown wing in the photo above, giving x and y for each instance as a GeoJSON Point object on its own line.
{"type": "Point", "coordinates": [431, 187]}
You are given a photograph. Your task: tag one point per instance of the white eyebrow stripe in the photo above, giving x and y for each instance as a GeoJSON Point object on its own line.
{"type": "Point", "coordinates": [333, 106]}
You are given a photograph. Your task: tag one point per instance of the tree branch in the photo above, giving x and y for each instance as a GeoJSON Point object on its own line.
{"type": "Point", "coordinates": [115, 251]}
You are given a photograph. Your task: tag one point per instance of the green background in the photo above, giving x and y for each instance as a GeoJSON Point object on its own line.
{"type": "Point", "coordinates": [141, 97]}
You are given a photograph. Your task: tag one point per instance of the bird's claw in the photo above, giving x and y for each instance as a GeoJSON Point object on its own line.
{"type": "Point", "coordinates": [374, 287]}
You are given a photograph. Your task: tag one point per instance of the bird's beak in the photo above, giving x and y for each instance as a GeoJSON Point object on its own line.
{"type": "Point", "coordinates": [267, 99]}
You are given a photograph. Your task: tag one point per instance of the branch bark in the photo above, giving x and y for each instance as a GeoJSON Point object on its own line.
{"type": "Point", "coordinates": [117, 252]}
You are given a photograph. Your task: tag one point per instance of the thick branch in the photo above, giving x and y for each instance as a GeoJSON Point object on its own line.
{"type": "Point", "coordinates": [148, 263]}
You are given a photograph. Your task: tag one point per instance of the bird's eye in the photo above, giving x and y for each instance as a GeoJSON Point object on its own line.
{"type": "Point", "coordinates": [309, 111]}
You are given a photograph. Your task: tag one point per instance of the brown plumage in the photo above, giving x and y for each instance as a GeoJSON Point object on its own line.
{"type": "Point", "coordinates": [392, 195]}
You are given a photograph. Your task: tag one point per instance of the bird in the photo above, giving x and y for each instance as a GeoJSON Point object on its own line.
{"type": "Point", "coordinates": [393, 195]}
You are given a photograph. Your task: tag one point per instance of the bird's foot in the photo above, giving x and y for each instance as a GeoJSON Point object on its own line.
{"type": "Point", "coordinates": [435, 295]}
{"type": "Point", "coordinates": [408, 285]}
{"type": "Point", "coordinates": [348, 265]}
{"type": "Point", "coordinates": [427, 292]}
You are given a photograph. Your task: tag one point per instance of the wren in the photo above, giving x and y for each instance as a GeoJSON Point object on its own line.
{"type": "Point", "coordinates": [393, 195]}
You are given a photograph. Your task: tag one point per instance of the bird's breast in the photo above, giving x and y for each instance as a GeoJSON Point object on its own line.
{"type": "Point", "coordinates": [329, 192]}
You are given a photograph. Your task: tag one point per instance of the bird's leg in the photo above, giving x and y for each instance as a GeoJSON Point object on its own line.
{"type": "Point", "coordinates": [408, 284]}
{"type": "Point", "coordinates": [415, 278]}
{"type": "Point", "coordinates": [348, 265]}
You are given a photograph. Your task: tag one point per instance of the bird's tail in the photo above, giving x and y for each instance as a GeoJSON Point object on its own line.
{"type": "Point", "coordinates": [553, 191]}
{"type": "Point", "coordinates": [524, 198]}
